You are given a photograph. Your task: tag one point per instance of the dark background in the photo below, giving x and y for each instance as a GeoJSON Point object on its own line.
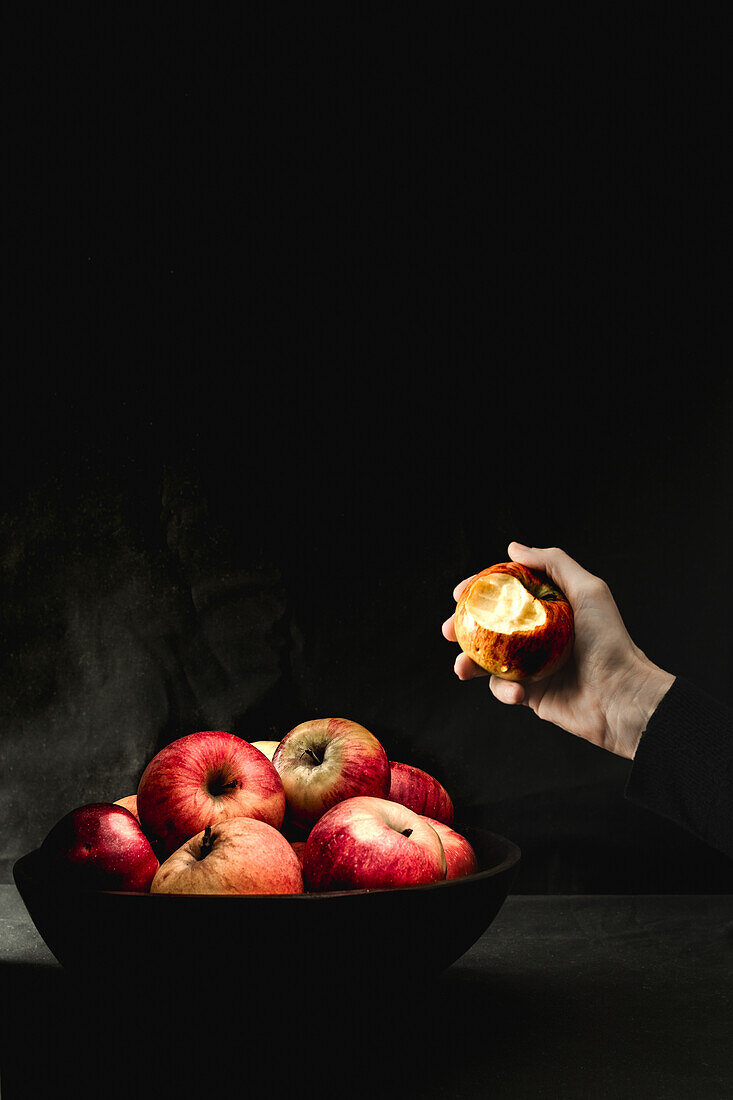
{"type": "Point", "coordinates": [307, 315]}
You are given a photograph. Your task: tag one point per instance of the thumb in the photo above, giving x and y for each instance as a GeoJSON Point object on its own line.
{"type": "Point", "coordinates": [563, 570]}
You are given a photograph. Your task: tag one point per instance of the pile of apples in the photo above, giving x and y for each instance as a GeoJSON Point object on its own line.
{"type": "Point", "coordinates": [322, 809]}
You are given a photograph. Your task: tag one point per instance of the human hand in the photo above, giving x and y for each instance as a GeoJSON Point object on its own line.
{"type": "Point", "coordinates": [608, 689]}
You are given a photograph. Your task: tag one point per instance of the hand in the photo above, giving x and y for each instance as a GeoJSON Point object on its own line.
{"type": "Point", "coordinates": [608, 689]}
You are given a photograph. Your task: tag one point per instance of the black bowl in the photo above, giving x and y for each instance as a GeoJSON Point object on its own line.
{"type": "Point", "coordinates": [329, 938]}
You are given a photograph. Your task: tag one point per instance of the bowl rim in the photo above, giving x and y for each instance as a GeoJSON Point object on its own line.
{"type": "Point", "coordinates": [25, 864]}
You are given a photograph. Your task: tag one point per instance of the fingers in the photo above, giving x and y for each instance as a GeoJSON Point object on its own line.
{"type": "Point", "coordinates": [466, 669]}
{"type": "Point", "coordinates": [566, 573]}
{"type": "Point", "coordinates": [463, 584]}
{"type": "Point", "coordinates": [507, 691]}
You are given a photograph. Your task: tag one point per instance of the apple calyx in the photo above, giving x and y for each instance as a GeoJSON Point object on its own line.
{"type": "Point", "coordinates": [206, 843]}
{"type": "Point", "coordinates": [406, 832]}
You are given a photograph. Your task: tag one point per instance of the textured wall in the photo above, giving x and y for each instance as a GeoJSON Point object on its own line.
{"type": "Point", "coordinates": [303, 328]}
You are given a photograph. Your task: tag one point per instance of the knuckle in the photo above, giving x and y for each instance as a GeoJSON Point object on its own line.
{"type": "Point", "coordinates": [597, 586]}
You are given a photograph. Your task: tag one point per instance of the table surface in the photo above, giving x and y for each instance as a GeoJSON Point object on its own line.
{"type": "Point", "coordinates": [563, 996]}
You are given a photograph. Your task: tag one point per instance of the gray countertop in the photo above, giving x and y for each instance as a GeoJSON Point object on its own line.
{"type": "Point", "coordinates": [564, 996]}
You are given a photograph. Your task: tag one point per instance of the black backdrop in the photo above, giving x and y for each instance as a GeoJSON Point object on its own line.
{"type": "Point", "coordinates": [307, 316]}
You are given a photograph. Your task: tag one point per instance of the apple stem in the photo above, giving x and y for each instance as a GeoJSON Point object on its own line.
{"type": "Point", "coordinates": [206, 843]}
{"type": "Point", "coordinates": [313, 754]}
{"type": "Point", "coordinates": [407, 832]}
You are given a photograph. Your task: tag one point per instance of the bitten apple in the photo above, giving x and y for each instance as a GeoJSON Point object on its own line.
{"type": "Point", "coordinates": [367, 843]}
{"type": "Point", "coordinates": [460, 857]}
{"type": "Point", "coordinates": [513, 622]}
{"type": "Point", "coordinates": [323, 761]}
{"type": "Point", "coordinates": [419, 791]}
{"type": "Point", "coordinates": [239, 856]}
{"type": "Point", "coordinates": [100, 846]}
{"type": "Point", "coordinates": [202, 779]}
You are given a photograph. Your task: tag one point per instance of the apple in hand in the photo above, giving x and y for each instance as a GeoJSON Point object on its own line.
{"type": "Point", "coordinates": [460, 857]}
{"type": "Point", "coordinates": [514, 623]}
{"type": "Point", "coordinates": [419, 791]}
{"type": "Point", "coordinates": [268, 747]}
{"type": "Point", "coordinates": [129, 802]}
{"type": "Point", "coordinates": [368, 843]}
{"type": "Point", "coordinates": [100, 846]}
{"type": "Point", "coordinates": [325, 760]}
{"type": "Point", "coordinates": [202, 779]}
{"type": "Point", "coordinates": [238, 856]}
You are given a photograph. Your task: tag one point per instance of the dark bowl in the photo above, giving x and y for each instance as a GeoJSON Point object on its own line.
{"type": "Point", "coordinates": [329, 938]}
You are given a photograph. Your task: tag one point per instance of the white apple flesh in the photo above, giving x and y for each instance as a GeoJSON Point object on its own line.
{"type": "Point", "coordinates": [367, 843]}
{"type": "Point", "coordinates": [239, 856]}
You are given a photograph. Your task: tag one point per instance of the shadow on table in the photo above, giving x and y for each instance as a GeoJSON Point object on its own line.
{"type": "Point", "coordinates": [519, 1034]}
{"type": "Point", "coordinates": [58, 1034]}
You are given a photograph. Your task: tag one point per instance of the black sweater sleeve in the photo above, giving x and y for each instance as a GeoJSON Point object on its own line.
{"type": "Point", "coordinates": [683, 769]}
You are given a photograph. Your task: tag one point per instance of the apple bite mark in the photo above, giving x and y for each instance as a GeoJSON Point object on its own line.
{"type": "Point", "coordinates": [501, 603]}
{"type": "Point", "coordinates": [514, 623]}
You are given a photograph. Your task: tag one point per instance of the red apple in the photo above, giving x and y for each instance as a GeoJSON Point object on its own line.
{"type": "Point", "coordinates": [268, 747]}
{"type": "Point", "coordinates": [298, 847]}
{"type": "Point", "coordinates": [100, 846]}
{"type": "Point", "coordinates": [419, 791]}
{"type": "Point", "coordinates": [202, 779]}
{"type": "Point", "coordinates": [324, 761]}
{"type": "Point", "coordinates": [238, 856]}
{"type": "Point", "coordinates": [368, 843]}
{"type": "Point", "coordinates": [129, 802]}
{"type": "Point", "coordinates": [460, 857]}
{"type": "Point", "coordinates": [513, 622]}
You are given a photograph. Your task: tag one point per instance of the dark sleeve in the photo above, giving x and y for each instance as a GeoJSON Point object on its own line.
{"type": "Point", "coordinates": [683, 769]}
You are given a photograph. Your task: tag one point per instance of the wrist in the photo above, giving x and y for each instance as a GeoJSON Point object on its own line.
{"type": "Point", "coordinates": [632, 703]}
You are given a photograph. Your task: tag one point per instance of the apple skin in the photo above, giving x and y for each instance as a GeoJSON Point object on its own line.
{"type": "Point", "coordinates": [368, 843]}
{"type": "Point", "coordinates": [241, 855]}
{"type": "Point", "coordinates": [460, 857]}
{"type": "Point", "coordinates": [268, 747]}
{"type": "Point", "coordinates": [525, 655]}
{"type": "Point", "coordinates": [419, 791]}
{"type": "Point", "coordinates": [298, 847]}
{"type": "Point", "coordinates": [129, 802]}
{"type": "Point", "coordinates": [100, 846]}
{"type": "Point", "coordinates": [325, 760]}
{"type": "Point", "coordinates": [202, 779]}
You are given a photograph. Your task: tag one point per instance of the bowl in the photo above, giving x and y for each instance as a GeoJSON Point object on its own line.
{"type": "Point", "coordinates": [329, 938]}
